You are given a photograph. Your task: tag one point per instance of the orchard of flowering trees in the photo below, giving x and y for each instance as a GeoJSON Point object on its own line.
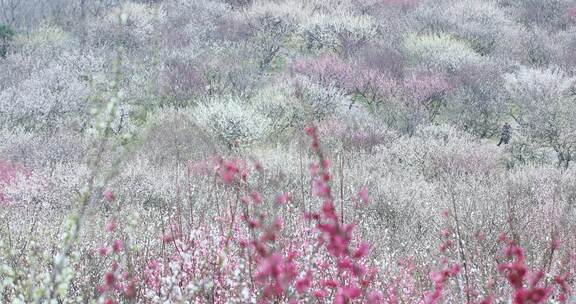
{"type": "Point", "coordinates": [288, 151]}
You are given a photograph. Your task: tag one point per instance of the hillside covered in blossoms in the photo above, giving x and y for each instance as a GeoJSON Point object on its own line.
{"type": "Point", "coordinates": [288, 151]}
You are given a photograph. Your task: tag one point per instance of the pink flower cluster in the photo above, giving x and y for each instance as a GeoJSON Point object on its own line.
{"type": "Point", "coordinates": [337, 237]}
{"type": "Point", "coordinates": [439, 279]}
{"type": "Point", "coordinates": [516, 272]}
{"type": "Point", "coordinates": [571, 13]}
{"type": "Point", "coordinates": [425, 87]}
{"type": "Point", "coordinates": [118, 282]}
{"type": "Point", "coordinates": [8, 174]}
{"type": "Point", "coordinates": [323, 262]}
{"type": "Point", "coordinates": [374, 85]}
{"type": "Point", "coordinates": [400, 3]}
{"type": "Point", "coordinates": [326, 69]}
{"type": "Point", "coordinates": [330, 69]}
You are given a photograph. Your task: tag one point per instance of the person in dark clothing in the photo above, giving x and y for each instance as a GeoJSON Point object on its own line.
{"type": "Point", "coordinates": [506, 134]}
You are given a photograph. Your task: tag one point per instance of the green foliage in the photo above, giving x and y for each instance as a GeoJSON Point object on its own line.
{"type": "Point", "coordinates": [441, 51]}
{"type": "Point", "coordinates": [277, 103]}
{"type": "Point", "coordinates": [6, 35]}
{"type": "Point", "coordinates": [48, 41]}
{"type": "Point", "coordinates": [522, 151]}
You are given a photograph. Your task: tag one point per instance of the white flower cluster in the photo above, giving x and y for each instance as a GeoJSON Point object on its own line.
{"type": "Point", "coordinates": [58, 90]}
{"type": "Point", "coordinates": [232, 120]}
{"type": "Point", "coordinates": [482, 23]}
{"type": "Point", "coordinates": [546, 107]}
{"type": "Point", "coordinates": [341, 30]}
